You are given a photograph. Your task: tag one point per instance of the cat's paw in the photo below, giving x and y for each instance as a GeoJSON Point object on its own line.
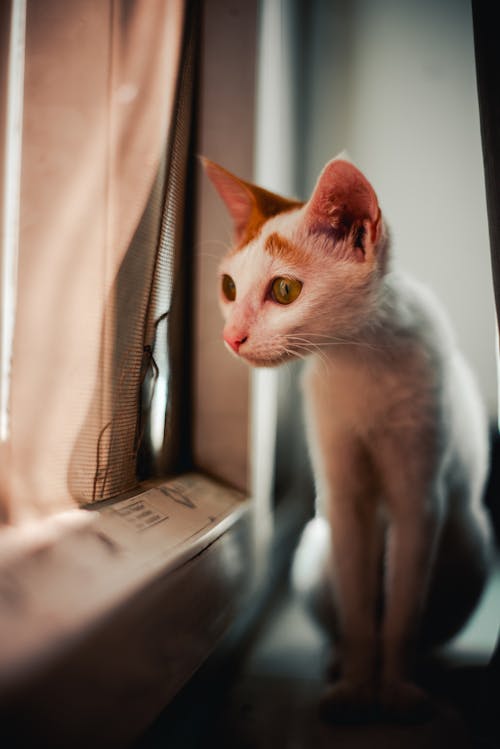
{"type": "Point", "coordinates": [348, 702]}
{"type": "Point", "coordinates": [403, 701]}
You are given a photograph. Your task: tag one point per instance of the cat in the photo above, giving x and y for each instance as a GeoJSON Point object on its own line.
{"type": "Point", "coordinates": [398, 553]}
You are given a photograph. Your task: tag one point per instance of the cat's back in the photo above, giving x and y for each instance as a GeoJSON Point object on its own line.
{"type": "Point", "coordinates": [457, 391]}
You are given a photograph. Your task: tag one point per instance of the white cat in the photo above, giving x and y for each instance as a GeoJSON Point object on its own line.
{"type": "Point", "coordinates": [400, 550]}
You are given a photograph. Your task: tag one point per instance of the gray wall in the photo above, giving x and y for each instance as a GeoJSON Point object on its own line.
{"type": "Point", "coordinates": [393, 82]}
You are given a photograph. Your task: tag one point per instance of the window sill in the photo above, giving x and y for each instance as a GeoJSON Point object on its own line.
{"type": "Point", "coordinates": [106, 614]}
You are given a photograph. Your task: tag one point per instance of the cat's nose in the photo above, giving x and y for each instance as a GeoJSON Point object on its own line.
{"type": "Point", "coordinates": [234, 341]}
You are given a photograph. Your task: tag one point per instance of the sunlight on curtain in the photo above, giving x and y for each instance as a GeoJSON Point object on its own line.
{"type": "Point", "coordinates": [100, 83]}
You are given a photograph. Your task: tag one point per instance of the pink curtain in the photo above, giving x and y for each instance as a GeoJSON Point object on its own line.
{"type": "Point", "coordinates": [100, 87]}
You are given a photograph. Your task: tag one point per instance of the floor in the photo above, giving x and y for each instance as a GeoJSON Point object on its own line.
{"type": "Point", "coordinates": [268, 699]}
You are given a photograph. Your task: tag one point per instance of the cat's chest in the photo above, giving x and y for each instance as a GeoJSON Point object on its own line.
{"type": "Point", "coordinates": [366, 394]}
{"type": "Point", "coordinates": [343, 392]}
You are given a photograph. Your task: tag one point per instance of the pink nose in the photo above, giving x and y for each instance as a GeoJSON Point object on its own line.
{"type": "Point", "coordinates": [234, 341]}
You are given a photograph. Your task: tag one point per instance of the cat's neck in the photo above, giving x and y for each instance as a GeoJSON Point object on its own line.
{"type": "Point", "coordinates": [399, 320]}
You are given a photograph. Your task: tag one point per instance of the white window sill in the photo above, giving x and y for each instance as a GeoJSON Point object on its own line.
{"type": "Point", "coordinates": [134, 569]}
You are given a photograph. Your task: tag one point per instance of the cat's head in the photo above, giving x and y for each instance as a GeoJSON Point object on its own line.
{"type": "Point", "coordinates": [300, 276]}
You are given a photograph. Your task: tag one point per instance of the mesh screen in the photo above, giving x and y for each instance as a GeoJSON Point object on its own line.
{"type": "Point", "coordinates": [168, 311]}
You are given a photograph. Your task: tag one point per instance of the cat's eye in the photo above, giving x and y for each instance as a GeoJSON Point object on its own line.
{"type": "Point", "coordinates": [285, 290]}
{"type": "Point", "coordinates": [228, 288]}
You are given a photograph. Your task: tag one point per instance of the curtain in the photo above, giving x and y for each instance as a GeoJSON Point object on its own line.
{"type": "Point", "coordinates": [95, 256]}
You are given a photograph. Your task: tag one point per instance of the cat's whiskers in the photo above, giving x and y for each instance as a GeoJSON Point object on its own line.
{"type": "Point", "coordinates": [305, 342]}
{"type": "Point", "coordinates": [292, 352]}
{"type": "Point", "coordinates": [328, 340]}
{"type": "Point", "coordinates": [301, 345]}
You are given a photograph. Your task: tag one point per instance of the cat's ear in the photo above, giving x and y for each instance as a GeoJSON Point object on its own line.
{"type": "Point", "coordinates": [345, 206]}
{"type": "Point", "coordinates": [235, 193]}
{"type": "Point", "coordinates": [250, 206]}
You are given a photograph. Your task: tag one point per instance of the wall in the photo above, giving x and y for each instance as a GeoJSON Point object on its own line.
{"type": "Point", "coordinates": [226, 135]}
{"type": "Point", "coordinates": [393, 82]}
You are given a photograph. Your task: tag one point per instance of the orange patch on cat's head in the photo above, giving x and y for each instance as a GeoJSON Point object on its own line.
{"type": "Point", "coordinates": [280, 247]}
{"type": "Point", "coordinates": [250, 206]}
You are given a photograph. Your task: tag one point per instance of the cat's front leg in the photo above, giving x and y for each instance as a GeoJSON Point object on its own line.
{"type": "Point", "coordinates": [351, 510]}
{"type": "Point", "coordinates": [355, 569]}
{"type": "Point", "coordinates": [415, 501]}
{"type": "Point", "coordinates": [347, 494]}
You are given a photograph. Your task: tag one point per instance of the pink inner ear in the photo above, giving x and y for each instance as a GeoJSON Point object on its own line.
{"type": "Point", "coordinates": [238, 199]}
{"type": "Point", "coordinates": [342, 196]}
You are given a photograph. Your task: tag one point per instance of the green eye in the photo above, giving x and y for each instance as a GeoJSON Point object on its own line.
{"type": "Point", "coordinates": [228, 288]}
{"type": "Point", "coordinates": [285, 290]}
